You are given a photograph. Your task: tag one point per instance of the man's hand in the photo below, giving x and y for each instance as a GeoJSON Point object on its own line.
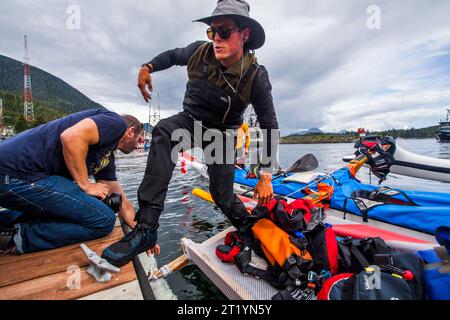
{"type": "Point", "coordinates": [144, 79]}
{"type": "Point", "coordinates": [99, 190]}
{"type": "Point", "coordinates": [263, 190]}
{"type": "Point", "coordinates": [156, 250]}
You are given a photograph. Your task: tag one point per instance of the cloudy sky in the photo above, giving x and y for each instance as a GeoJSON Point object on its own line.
{"type": "Point", "coordinates": [332, 63]}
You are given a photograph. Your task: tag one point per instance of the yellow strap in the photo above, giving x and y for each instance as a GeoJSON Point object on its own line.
{"type": "Point", "coordinates": [202, 195]}
{"type": "Point", "coordinates": [243, 130]}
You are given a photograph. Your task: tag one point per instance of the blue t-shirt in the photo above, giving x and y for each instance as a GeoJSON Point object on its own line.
{"type": "Point", "coordinates": [37, 153]}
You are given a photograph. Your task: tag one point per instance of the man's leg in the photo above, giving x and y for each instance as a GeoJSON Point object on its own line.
{"type": "Point", "coordinates": [60, 214]}
{"type": "Point", "coordinates": [8, 218]}
{"type": "Point", "coordinates": [152, 191]}
{"type": "Point", "coordinates": [221, 180]}
{"type": "Point", "coordinates": [160, 165]}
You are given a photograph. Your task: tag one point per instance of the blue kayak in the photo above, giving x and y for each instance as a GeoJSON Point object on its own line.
{"type": "Point", "coordinates": [416, 210]}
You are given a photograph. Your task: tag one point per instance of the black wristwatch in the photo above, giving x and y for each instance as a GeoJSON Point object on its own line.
{"type": "Point", "coordinates": [149, 66]}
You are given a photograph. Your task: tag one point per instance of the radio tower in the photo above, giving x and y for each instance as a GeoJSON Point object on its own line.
{"type": "Point", "coordinates": [28, 109]}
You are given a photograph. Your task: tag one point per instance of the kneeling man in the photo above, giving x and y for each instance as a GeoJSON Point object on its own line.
{"type": "Point", "coordinates": [45, 186]}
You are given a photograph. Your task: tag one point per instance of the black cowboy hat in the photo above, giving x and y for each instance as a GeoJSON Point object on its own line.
{"type": "Point", "coordinates": [239, 11]}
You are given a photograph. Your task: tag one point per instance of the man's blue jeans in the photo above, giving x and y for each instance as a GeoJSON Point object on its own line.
{"type": "Point", "coordinates": [52, 212]}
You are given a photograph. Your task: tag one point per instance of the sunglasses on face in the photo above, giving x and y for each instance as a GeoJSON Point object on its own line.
{"type": "Point", "coordinates": [224, 32]}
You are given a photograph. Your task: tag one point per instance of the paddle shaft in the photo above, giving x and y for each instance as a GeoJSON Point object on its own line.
{"type": "Point", "coordinates": [171, 267]}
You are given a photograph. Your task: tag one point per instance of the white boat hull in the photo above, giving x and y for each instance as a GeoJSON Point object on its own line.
{"type": "Point", "coordinates": [418, 166]}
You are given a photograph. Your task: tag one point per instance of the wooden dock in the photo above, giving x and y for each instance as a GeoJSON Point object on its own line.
{"type": "Point", "coordinates": [60, 274]}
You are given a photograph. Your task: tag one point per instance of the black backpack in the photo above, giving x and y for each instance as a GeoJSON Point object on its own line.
{"type": "Point", "coordinates": [357, 254]}
{"type": "Point", "coordinates": [398, 269]}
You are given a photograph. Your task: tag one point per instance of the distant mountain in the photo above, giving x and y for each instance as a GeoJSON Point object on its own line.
{"type": "Point", "coordinates": [47, 89]}
{"type": "Point", "coordinates": [309, 131]}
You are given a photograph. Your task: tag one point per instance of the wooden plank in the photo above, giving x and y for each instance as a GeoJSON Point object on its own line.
{"type": "Point", "coordinates": [127, 291]}
{"type": "Point", "coordinates": [58, 286]}
{"type": "Point", "coordinates": [14, 269]}
{"type": "Point", "coordinates": [114, 235]}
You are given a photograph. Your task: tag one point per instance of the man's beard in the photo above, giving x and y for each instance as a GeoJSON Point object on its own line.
{"type": "Point", "coordinates": [127, 149]}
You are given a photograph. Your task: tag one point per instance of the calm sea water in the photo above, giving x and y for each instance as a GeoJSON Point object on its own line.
{"type": "Point", "coordinates": [187, 216]}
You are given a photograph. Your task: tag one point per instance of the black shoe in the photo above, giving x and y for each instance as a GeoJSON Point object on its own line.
{"type": "Point", "coordinates": [142, 238]}
{"type": "Point", "coordinates": [7, 245]}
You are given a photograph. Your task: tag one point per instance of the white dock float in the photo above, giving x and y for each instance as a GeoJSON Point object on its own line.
{"type": "Point", "coordinates": [233, 284]}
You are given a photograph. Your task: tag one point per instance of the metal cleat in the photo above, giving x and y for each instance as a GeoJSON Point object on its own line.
{"type": "Point", "coordinates": [98, 268]}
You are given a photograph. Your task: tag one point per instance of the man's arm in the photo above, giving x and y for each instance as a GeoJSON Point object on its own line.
{"type": "Point", "coordinates": [174, 57]}
{"type": "Point", "coordinates": [167, 59]}
{"type": "Point", "coordinates": [262, 101]}
{"type": "Point", "coordinates": [75, 143]}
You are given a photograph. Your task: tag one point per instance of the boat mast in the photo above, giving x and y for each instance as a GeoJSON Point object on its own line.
{"type": "Point", "coordinates": [154, 112]}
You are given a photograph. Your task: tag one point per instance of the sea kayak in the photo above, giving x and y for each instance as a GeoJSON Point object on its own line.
{"type": "Point", "coordinates": [398, 238]}
{"type": "Point", "coordinates": [416, 210]}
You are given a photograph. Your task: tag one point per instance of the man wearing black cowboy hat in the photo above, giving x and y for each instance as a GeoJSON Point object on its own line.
{"type": "Point", "coordinates": [224, 78]}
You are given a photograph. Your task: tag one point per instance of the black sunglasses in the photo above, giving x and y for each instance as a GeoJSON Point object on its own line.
{"type": "Point", "coordinates": [224, 32]}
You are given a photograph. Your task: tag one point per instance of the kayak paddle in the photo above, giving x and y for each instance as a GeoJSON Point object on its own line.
{"type": "Point", "coordinates": [306, 163]}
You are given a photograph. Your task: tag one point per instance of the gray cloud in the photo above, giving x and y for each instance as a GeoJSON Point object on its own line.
{"type": "Point", "coordinates": [327, 69]}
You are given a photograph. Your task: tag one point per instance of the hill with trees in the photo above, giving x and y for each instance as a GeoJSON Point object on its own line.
{"type": "Point", "coordinates": [13, 112]}
{"type": "Point", "coordinates": [350, 136]}
{"type": "Point", "coordinates": [52, 97]}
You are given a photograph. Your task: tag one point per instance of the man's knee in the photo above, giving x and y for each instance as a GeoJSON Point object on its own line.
{"type": "Point", "coordinates": [236, 216]}
{"type": "Point", "coordinates": [233, 209]}
{"type": "Point", "coordinates": [168, 126]}
{"type": "Point", "coordinates": [164, 128]}
{"type": "Point", "coordinates": [105, 223]}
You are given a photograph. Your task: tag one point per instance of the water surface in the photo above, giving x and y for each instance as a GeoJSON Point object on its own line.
{"type": "Point", "coordinates": [187, 216]}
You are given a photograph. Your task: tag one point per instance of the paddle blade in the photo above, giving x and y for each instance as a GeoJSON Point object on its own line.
{"type": "Point", "coordinates": [306, 163]}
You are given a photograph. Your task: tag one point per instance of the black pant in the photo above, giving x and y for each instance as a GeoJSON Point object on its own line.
{"type": "Point", "coordinates": [153, 189]}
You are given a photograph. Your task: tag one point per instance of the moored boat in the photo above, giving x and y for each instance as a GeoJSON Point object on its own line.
{"type": "Point", "coordinates": [410, 164]}
{"type": "Point", "coordinates": [443, 133]}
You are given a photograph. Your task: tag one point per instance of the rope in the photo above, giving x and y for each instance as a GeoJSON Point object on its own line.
{"type": "Point", "coordinates": [240, 78]}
